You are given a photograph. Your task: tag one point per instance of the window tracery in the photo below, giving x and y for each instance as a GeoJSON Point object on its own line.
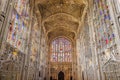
{"type": "Point", "coordinates": [61, 50]}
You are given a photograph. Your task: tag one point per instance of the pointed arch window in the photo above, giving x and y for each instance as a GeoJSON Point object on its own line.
{"type": "Point", "coordinates": [61, 50]}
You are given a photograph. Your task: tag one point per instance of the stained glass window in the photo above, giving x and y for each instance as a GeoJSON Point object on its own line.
{"type": "Point", "coordinates": [61, 50]}
{"type": "Point", "coordinates": [17, 33]}
{"type": "Point", "coordinates": [22, 7]}
{"type": "Point", "coordinates": [102, 21]}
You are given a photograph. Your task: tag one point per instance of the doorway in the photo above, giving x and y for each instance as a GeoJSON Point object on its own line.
{"type": "Point", "coordinates": [60, 75]}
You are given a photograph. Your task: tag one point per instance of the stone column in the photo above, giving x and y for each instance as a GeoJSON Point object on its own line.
{"type": "Point", "coordinates": [115, 23]}
{"type": "Point", "coordinates": [27, 51]}
{"type": "Point", "coordinates": [5, 22]}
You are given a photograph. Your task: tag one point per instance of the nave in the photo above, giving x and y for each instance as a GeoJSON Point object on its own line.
{"type": "Point", "coordinates": [59, 39]}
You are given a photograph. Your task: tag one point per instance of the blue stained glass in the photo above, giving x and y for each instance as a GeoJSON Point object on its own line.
{"type": "Point", "coordinates": [17, 16]}
{"type": "Point", "coordinates": [113, 35]}
{"type": "Point", "coordinates": [101, 12]}
{"type": "Point", "coordinates": [109, 17]}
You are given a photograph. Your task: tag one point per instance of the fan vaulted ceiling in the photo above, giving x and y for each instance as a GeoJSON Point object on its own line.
{"type": "Point", "coordinates": [61, 17]}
